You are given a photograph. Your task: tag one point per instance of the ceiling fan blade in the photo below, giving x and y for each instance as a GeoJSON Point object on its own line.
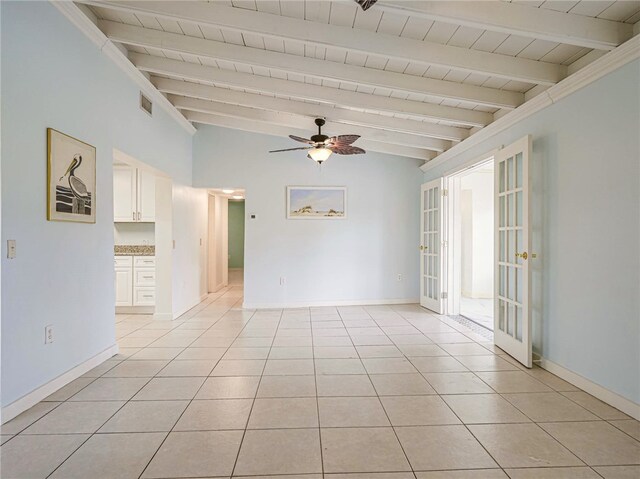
{"type": "Point", "coordinates": [347, 150]}
{"type": "Point", "coordinates": [343, 140]}
{"type": "Point", "coordinates": [291, 149]}
{"type": "Point", "coordinates": [301, 140]}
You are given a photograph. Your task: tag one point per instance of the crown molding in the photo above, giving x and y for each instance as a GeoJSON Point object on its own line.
{"type": "Point", "coordinates": [624, 54]}
{"type": "Point", "coordinates": [106, 46]}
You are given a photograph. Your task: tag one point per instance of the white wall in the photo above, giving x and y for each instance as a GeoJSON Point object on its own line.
{"type": "Point", "coordinates": [134, 233]}
{"type": "Point", "coordinates": [53, 76]}
{"type": "Point", "coordinates": [586, 228]}
{"type": "Point", "coordinates": [357, 259]}
{"type": "Point", "coordinates": [477, 234]}
{"type": "Point", "coordinates": [190, 207]}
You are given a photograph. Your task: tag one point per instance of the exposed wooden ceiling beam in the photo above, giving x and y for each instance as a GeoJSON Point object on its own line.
{"type": "Point", "coordinates": [305, 91]}
{"type": "Point", "coordinates": [297, 121]}
{"type": "Point", "coordinates": [524, 20]}
{"type": "Point", "coordinates": [266, 128]}
{"type": "Point", "coordinates": [337, 115]}
{"type": "Point", "coordinates": [356, 75]}
{"type": "Point", "coordinates": [347, 38]}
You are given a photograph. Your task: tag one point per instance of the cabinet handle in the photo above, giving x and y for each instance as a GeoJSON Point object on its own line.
{"type": "Point", "coordinates": [148, 277]}
{"type": "Point", "coordinates": [138, 216]}
{"type": "Point", "coordinates": [133, 214]}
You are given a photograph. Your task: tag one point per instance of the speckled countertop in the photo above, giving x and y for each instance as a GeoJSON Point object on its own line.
{"type": "Point", "coordinates": [134, 250]}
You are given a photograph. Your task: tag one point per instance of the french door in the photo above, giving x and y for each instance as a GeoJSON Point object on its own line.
{"type": "Point", "coordinates": [431, 221]}
{"type": "Point", "coordinates": [512, 315]}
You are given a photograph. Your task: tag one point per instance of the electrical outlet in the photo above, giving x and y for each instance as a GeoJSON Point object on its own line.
{"type": "Point", "coordinates": [11, 249]}
{"type": "Point", "coordinates": [399, 276]}
{"type": "Point", "coordinates": [48, 334]}
{"type": "Point", "coordinates": [283, 280]}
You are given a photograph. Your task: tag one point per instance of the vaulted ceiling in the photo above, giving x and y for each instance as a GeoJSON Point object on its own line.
{"type": "Point", "coordinates": [412, 78]}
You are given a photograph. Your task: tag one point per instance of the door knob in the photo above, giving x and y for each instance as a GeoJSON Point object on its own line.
{"type": "Point", "coordinates": [522, 255]}
{"type": "Point", "coordinates": [421, 247]}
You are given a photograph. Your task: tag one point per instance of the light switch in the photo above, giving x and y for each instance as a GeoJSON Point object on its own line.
{"type": "Point", "coordinates": [11, 249]}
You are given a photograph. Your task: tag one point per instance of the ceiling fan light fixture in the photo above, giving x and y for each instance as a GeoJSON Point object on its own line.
{"type": "Point", "coordinates": [320, 155]}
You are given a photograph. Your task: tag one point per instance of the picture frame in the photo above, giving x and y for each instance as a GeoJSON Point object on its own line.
{"type": "Point", "coordinates": [71, 179]}
{"type": "Point", "coordinates": [316, 202]}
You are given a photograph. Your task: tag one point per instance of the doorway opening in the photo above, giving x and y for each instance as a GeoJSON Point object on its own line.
{"type": "Point", "coordinates": [470, 226]}
{"type": "Point", "coordinates": [142, 225]}
{"type": "Point", "coordinates": [226, 241]}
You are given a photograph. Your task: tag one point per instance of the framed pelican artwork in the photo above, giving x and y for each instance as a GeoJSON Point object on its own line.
{"type": "Point", "coordinates": [71, 179]}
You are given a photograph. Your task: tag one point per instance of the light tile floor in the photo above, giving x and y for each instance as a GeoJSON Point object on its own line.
{"type": "Point", "coordinates": [380, 392]}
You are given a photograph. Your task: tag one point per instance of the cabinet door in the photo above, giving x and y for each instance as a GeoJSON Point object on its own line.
{"type": "Point", "coordinates": [124, 194]}
{"type": "Point", "coordinates": [146, 196]}
{"type": "Point", "coordinates": [124, 287]}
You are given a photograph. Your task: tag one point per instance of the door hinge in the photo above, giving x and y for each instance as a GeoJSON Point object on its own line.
{"type": "Point", "coordinates": [445, 192]}
{"type": "Point", "coordinates": [444, 295]}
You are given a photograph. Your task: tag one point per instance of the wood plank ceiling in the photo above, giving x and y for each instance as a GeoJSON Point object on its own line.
{"type": "Point", "coordinates": [412, 78]}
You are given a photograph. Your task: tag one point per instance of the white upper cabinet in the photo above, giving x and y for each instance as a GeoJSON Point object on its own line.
{"type": "Point", "coordinates": [146, 196]}
{"type": "Point", "coordinates": [134, 195]}
{"type": "Point", "coordinates": [124, 193]}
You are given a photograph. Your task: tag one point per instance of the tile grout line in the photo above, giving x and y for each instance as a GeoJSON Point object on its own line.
{"type": "Point", "coordinates": [244, 432]}
{"type": "Point", "coordinates": [190, 401]}
{"type": "Point", "coordinates": [378, 395]}
{"type": "Point", "coordinates": [315, 382]}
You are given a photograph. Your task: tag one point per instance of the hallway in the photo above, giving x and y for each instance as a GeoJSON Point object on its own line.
{"type": "Point", "coordinates": [315, 392]}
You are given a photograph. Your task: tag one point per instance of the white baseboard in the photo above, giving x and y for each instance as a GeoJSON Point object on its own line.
{"type": "Point", "coordinates": [189, 308]}
{"type": "Point", "coordinates": [204, 297]}
{"type": "Point", "coordinates": [217, 288]}
{"type": "Point", "coordinates": [606, 395]}
{"type": "Point", "coordinates": [34, 397]}
{"type": "Point", "coordinates": [135, 309]}
{"type": "Point", "coordinates": [307, 304]}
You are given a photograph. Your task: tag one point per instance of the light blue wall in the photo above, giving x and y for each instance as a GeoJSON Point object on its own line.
{"type": "Point", "coordinates": [356, 259]}
{"type": "Point", "coordinates": [586, 224]}
{"type": "Point", "coordinates": [54, 76]}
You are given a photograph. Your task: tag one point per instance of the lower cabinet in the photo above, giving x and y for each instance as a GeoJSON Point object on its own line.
{"type": "Point", "coordinates": [135, 280]}
{"type": "Point", "coordinates": [124, 280]}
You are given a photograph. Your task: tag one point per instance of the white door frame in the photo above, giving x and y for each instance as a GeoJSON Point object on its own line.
{"type": "Point", "coordinates": [218, 238]}
{"type": "Point", "coordinates": [452, 239]}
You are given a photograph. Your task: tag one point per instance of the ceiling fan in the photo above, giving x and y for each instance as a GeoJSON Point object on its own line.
{"type": "Point", "coordinates": [321, 146]}
{"type": "Point", "coordinates": [366, 4]}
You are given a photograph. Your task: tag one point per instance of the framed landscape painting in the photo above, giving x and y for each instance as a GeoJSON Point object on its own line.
{"type": "Point", "coordinates": [316, 202]}
{"type": "Point", "coordinates": [71, 179]}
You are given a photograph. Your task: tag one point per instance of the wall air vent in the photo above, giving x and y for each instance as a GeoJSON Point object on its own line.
{"type": "Point", "coordinates": [146, 104]}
